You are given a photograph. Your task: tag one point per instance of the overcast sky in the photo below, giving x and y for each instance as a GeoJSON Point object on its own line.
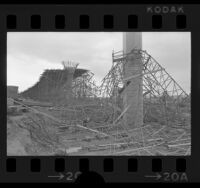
{"type": "Point", "coordinates": [30, 53]}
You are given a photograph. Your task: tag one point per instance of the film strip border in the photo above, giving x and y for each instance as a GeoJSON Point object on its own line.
{"type": "Point", "coordinates": [114, 21]}
{"type": "Point", "coordinates": [64, 169]}
{"type": "Point", "coordinates": [84, 165]}
{"type": "Point", "coordinates": [36, 22]}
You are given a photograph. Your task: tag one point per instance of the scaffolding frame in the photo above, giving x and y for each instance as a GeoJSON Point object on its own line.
{"type": "Point", "coordinates": [159, 89]}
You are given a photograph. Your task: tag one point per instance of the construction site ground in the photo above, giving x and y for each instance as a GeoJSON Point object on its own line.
{"type": "Point", "coordinates": [66, 113]}
{"type": "Point", "coordinates": [33, 133]}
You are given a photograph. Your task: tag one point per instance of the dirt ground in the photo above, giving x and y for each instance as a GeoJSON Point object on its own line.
{"type": "Point", "coordinates": [18, 139]}
{"type": "Point", "coordinates": [30, 134]}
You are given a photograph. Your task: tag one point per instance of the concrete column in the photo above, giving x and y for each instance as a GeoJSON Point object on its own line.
{"type": "Point", "coordinates": [133, 94]}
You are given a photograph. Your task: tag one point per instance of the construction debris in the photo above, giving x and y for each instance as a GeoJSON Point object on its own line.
{"type": "Point", "coordinates": [66, 113]}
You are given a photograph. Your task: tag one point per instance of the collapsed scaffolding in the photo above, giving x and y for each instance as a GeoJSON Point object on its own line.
{"type": "Point", "coordinates": [95, 113]}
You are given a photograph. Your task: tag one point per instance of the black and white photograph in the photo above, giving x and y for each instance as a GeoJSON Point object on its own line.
{"type": "Point", "coordinates": [98, 93]}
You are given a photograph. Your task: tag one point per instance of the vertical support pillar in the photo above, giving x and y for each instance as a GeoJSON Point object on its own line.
{"type": "Point", "coordinates": [133, 94]}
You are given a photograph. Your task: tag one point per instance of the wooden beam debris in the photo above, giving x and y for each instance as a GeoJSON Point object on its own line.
{"type": "Point", "coordinates": [177, 145]}
{"type": "Point", "coordinates": [58, 121]}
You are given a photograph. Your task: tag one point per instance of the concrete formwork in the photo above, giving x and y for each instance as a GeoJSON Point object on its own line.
{"type": "Point", "coordinates": [68, 84]}
{"type": "Point", "coordinates": [133, 94]}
